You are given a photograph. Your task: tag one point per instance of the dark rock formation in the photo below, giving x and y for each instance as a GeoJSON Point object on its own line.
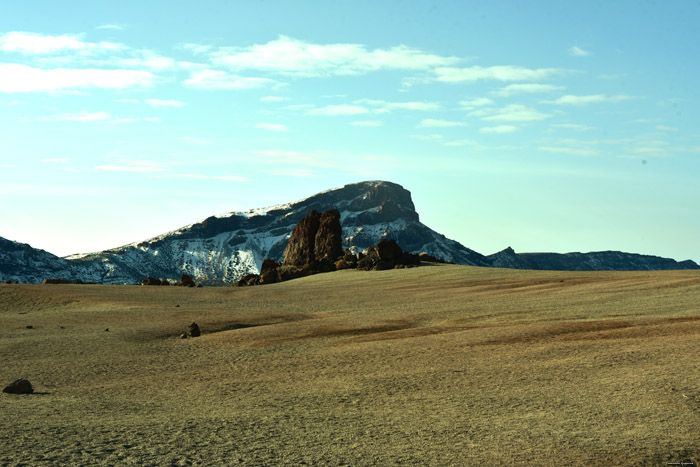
{"type": "Point", "coordinates": [249, 279]}
{"type": "Point", "coordinates": [328, 242]}
{"type": "Point", "coordinates": [193, 330]}
{"type": "Point", "coordinates": [61, 281]}
{"type": "Point", "coordinates": [20, 386]}
{"type": "Point", "coordinates": [387, 254]}
{"type": "Point", "coordinates": [151, 281]}
{"type": "Point", "coordinates": [301, 248]}
{"type": "Point", "coordinates": [186, 281]}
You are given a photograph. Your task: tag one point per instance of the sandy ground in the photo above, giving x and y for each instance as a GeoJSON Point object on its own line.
{"type": "Point", "coordinates": [439, 365]}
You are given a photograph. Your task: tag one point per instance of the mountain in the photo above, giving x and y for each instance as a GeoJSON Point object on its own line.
{"type": "Point", "coordinates": [221, 249]}
{"type": "Point", "coordinates": [594, 261]}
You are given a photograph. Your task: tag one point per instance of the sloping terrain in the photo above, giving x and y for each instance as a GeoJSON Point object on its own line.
{"type": "Point", "coordinates": [438, 365]}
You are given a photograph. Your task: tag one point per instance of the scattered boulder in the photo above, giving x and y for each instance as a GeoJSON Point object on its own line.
{"type": "Point", "coordinates": [20, 386]}
{"type": "Point", "coordinates": [193, 330]}
{"type": "Point", "coordinates": [186, 281]}
{"type": "Point", "coordinates": [269, 271]}
{"type": "Point", "coordinates": [151, 281]}
{"type": "Point", "coordinates": [165, 282]}
{"type": "Point", "coordinates": [183, 335]}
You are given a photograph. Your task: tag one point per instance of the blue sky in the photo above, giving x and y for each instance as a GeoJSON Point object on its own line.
{"type": "Point", "coordinates": [545, 126]}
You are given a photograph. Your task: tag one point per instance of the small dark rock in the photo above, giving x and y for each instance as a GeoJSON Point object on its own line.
{"type": "Point", "coordinates": [107, 330]}
{"type": "Point", "coordinates": [20, 386]}
{"type": "Point", "coordinates": [183, 335]}
{"type": "Point", "coordinates": [193, 330]}
{"type": "Point", "coordinates": [30, 327]}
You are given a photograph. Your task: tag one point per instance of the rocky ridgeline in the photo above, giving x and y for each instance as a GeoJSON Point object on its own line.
{"type": "Point", "coordinates": [185, 281]}
{"type": "Point", "coordinates": [315, 246]}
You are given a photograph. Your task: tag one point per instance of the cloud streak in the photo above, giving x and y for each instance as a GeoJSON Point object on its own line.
{"type": "Point", "coordinates": [289, 56]}
{"type": "Point", "coordinates": [24, 78]}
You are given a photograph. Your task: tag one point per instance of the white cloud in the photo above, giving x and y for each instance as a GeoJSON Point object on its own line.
{"type": "Point", "coordinates": [572, 126]}
{"type": "Point", "coordinates": [471, 104]}
{"type": "Point", "coordinates": [432, 123]}
{"type": "Point", "coordinates": [498, 73]}
{"type": "Point", "coordinates": [164, 103]}
{"type": "Point", "coordinates": [510, 113]}
{"type": "Point", "coordinates": [526, 88]}
{"type": "Point", "coordinates": [569, 150]}
{"type": "Point", "coordinates": [40, 44]}
{"type": "Point", "coordinates": [589, 99]}
{"type": "Point", "coordinates": [23, 78]}
{"type": "Point", "coordinates": [115, 27]}
{"type": "Point", "coordinates": [84, 116]}
{"type": "Point", "coordinates": [197, 49]}
{"type": "Point", "coordinates": [576, 51]}
{"type": "Point", "coordinates": [665, 128]}
{"type": "Point", "coordinates": [333, 110]}
{"type": "Point", "coordinates": [499, 129]}
{"type": "Point", "coordinates": [368, 123]}
{"type": "Point", "coordinates": [272, 126]}
{"type": "Point", "coordinates": [215, 79]}
{"type": "Point", "coordinates": [381, 106]}
{"type": "Point", "coordinates": [290, 56]}
{"type": "Point", "coordinates": [273, 99]}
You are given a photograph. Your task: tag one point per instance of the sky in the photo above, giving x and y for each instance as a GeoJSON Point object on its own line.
{"type": "Point", "coordinates": [544, 126]}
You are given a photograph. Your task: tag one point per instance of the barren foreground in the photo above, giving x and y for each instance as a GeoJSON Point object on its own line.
{"type": "Point", "coordinates": [439, 365]}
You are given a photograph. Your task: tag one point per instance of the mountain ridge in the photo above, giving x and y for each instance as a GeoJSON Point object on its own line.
{"type": "Point", "coordinates": [220, 249]}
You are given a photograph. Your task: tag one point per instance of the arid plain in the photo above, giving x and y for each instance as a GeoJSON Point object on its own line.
{"type": "Point", "coordinates": [437, 365]}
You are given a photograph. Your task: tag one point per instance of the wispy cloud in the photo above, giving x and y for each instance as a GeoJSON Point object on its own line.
{"type": "Point", "coordinates": [334, 110]}
{"type": "Point", "coordinates": [572, 126]}
{"type": "Point", "coordinates": [589, 99]}
{"type": "Point", "coordinates": [97, 117]}
{"type": "Point", "coordinates": [496, 73]}
{"type": "Point", "coordinates": [381, 106]}
{"type": "Point", "coordinates": [24, 78]}
{"type": "Point", "coordinates": [197, 176]}
{"type": "Point", "coordinates": [114, 27]}
{"type": "Point", "coordinates": [433, 123]}
{"type": "Point", "coordinates": [665, 128]}
{"type": "Point", "coordinates": [528, 88]}
{"type": "Point", "coordinates": [576, 51]}
{"type": "Point", "coordinates": [367, 123]}
{"type": "Point", "coordinates": [499, 129]}
{"type": "Point", "coordinates": [219, 80]}
{"type": "Point", "coordinates": [290, 56]}
{"type": "Point", "coordinates": [471, 104]}
{"type": "Point", "coordinates": [510, 113]}
{"type": "Point", "coordinates": [40, 44]}
{"type": "Point", "coordinates": [272, 126]}
{"type": "Point", "coordinates": [164, 103]}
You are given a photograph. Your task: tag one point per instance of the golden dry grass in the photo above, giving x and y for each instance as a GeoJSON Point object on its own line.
{"type": "Point", "coordinates": [439, 365]}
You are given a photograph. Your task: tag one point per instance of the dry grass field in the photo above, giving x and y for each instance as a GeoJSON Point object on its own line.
{"type": "Point", "coordinates": [439, 365]}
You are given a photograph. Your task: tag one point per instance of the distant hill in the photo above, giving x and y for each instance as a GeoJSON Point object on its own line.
{"type": "Point", "coordinates": [221, 249]}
